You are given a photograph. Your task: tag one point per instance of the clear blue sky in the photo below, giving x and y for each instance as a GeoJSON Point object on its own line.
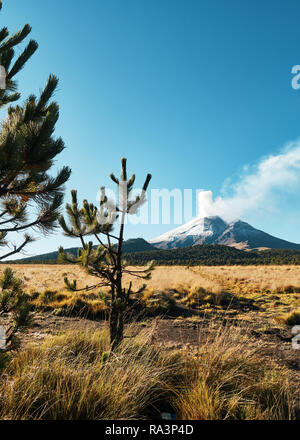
{"type": "Point", "coordinates": [188, 90]}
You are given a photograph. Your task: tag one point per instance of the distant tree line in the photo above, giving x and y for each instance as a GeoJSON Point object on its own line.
{"type": "Point", "coordinates": [214, 255]}
{"type": "Point", "coordinates": [206, 255]}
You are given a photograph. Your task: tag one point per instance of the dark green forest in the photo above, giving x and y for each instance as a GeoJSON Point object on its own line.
{"type": "Point", "coordinates": [207, 255]}
{"type": "Point", "coordinates": [214, 255]}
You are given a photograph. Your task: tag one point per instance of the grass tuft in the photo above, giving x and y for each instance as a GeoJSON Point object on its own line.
{"type": "Point", "coordinates": [73, 376]}
{"type": "Point", "coordinates": [230, 380]}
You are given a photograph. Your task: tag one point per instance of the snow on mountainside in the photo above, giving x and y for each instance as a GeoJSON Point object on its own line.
{"type": "Point", "coordinates": [214, 230]}
{"type": "Point", "coordinates": [197, 231]}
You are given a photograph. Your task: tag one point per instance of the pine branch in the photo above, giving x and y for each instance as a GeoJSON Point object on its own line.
{"type": "Point", "coordinates": [47, 92]}
{"type": "Point", "coordinates": [16, 39]}
{"type": "Point", "coordinates": [18, 249]}
{"type": "Point", "coordinates": [3, 32]}
{"type": "Point", "coordinates": [23, 58]}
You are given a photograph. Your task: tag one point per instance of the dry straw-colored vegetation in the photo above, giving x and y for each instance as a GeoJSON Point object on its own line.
{"type": "Point", "coordinates": [274, 289]}
{"type": "Point", "coordinates": [72, 376]}
{"type": "Point", "coordinates": [250, 278]}
{"type": "Point", "coordinates": [227, 375]}
{"type": "Point", "coordinates": [231, 380]}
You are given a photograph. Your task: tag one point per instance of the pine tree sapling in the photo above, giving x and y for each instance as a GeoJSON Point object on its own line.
{"type": "Point", "coordinates": [106, 261]}
{"type": "Point", "coordinates": [14, 305]}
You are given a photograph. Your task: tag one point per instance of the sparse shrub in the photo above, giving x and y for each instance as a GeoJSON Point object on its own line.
{"type": "Point", "coordinates": [69, 304]}
{"type": "Point", "coordinates": [200, 296]}
{"type": "Point", "coordinates": [60, 297]}
{"type": "Point", "coordinates": [156, 303]}
{"type": "Point", "coordinates": [59, 312]}
{"type": "Point", "coordinates": [47, 296]}
{"type": "Point", "coordinates": [80, 308]}
{"type": "Point", "coordinates": [292, 289]}
{"type": "Point", "coordinates": [293, 318]}
{"type": "Point", "coordinates": [34, 295]}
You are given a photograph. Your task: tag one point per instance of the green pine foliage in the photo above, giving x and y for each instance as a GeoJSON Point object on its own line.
{"type": "Point", "coordinates": [27, 151]}
{"type": "Point", "coordinates": [14, 306]}
{"type": "Point", "coordinates": [30, 197]}
{"type": "Point", "coordinates": [9, 45]}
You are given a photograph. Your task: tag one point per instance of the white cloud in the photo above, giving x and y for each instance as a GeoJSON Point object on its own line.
{"type": "Point", "coordinates": [258, 186]}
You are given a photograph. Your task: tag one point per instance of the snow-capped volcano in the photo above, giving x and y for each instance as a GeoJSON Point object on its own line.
{"type": "Point", "coordinates": [214, 230]}
{"type": "Point", "coordinates": [197, 231]}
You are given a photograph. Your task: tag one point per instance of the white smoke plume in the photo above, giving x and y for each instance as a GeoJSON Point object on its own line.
{"type": "Point", "coordinates": [257, 187]}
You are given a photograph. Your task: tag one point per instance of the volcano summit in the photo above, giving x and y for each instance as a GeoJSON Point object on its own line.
{"type": "Point", "coordinates": [214, 230]}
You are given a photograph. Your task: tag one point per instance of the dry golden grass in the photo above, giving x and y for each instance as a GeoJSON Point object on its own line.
{"type": "Point", "coordinates": [272, 278]}
{"type": "Point", "coordinates": [230, 380]}
{"type": "Point", "coordinates": [72, 377]}
{"type": "Point", "coordinates": [51, 277]}
{"type": "Point", "coordinates": [40, 277]}
{"type": "Point", "coordinates": [275, 289]}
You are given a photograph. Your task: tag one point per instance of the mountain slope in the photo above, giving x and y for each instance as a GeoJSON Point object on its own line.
{"type": "Point", "coordinates": [137, 245]}
{"type": "Point", "coordinates": [242, 232]}
{"type": "Point", "coordinates": [131, 245]}
{"type": "Point", "coordinates": [214, 230]}
{"type": "Point", "coordinates": [197, 231]}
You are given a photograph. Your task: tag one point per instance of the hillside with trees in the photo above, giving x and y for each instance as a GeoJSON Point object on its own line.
{"type": "Point", "coordinates": [214, 255]}
{"type": "Point", "coordinates": [206, 255]}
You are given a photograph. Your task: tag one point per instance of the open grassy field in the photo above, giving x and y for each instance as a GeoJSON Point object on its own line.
{"type": "Point", "coordinates": [247, 278]}
{"type": "Point", "coordinates": [206, 343]}
{"type": "Point", "coordinates": [39, 277]}
{"type": "Point", "coordinates": [274, 290]}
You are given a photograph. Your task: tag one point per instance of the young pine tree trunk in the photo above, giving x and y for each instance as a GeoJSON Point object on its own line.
{"type": "Point", "coordinates": [116, 325]}
{"type": "Point", "coordinates": [116, 319]}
